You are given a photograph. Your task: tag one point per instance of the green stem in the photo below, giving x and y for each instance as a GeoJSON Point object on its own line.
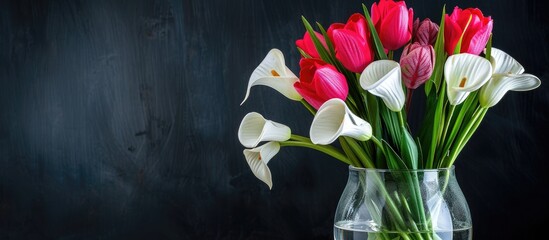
{"type": "Point", "coordinates": [378, 143]}
{"type": "Point", "coordinates": [366, 161]}
{"type": "Point", "coordinates": [402, 199]}
{"type": "Point", "coordinates": [374, 118]}
{"type": "Point", "coordinates": [418, 200]}
{"type": "Point", "coordinates": [330, 150]}
{"type": "Point", "coordinates": [393, 209]}
{"type": "Point", "coordinates": [457, 124]}
{"type": "Point", "coordinates": [349, 152]}
{"type": "Point", "coordinates": [447, 124]}
{"type": "Point", "coordinates": [409, 94]}
{"type": "Point", "coordinates": [395, 212]}
{"type": "Point", "coordinates": [440, 153]}
{"type": "Point", "coordinates": [308, 106]}
{"type": "Point", "coordinates": [299, 138]}
{"type": "Point", "coordinates": [401, 119]}
{"type": "Point", "coordinates": [434, 136]}
{"type": "Point", "coordinates": [471, 127]}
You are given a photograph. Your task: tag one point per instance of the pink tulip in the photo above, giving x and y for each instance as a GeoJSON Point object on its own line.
{"type": "Point", "coordinates": [308, 46]}
{"type": "Point", "coordinates": [417, 62]}
{"type": "Point", "coordinates": [352, 43]}
{"type": "Point", "coordinates": [425, 32]}
{"type": "Point", "coordinates": [393, 22]}
{"type": "Point", "coordinates": [320, 82]}
{"type": "Point", "coordinates": [477, 30]}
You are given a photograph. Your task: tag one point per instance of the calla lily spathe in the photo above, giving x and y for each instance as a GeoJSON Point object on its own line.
{"type": "Point", "coordinates": [508, 76]}
{"type": "Point", "coordinates": [272, 72]}
{"type": "Point", "coordinates": [258, 158]}
{"type": "Point", "coordinates": [254, 129]}
{"type": "Point", "coordinates": [383, 79]}
{"type": "Point", "coordinates": [465, 73]}
{"type": "Point", "coordinates": [503, 63]}
{"type": "Point", "coordinates": [334, 119]}
{"type": "Point", "coordinates": [500, 84]}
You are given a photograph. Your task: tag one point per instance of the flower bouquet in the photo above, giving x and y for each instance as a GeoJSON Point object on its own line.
{"type": "Point", "coordinates": [401, 185]}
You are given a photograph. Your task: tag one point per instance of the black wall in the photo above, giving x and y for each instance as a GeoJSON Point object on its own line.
{"type": "Point", "coordinates": [118, 120]}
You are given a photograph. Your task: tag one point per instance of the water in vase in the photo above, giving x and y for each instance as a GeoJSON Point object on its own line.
{"type": "Point", "coordinates": [366, 231]}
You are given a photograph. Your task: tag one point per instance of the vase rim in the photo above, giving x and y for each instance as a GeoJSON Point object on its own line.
{"type": "Point", "coordinates": [383, 170]}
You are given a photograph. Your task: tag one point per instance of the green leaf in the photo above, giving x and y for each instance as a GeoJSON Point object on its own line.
{"type": "Point", "coordinates": [440, 58]}
{"type": "Point", "coordinates": [311, 109]}
{"type": "Point", "coordinates": [380, 52]}
{"type": "Point", "coordinates": [349, 152]}
{"type": "Point", "coordinates": [373, 117]}
{"type": "Point", "coordinates": [420, 149]}
{"type": "Point", "coordinates": [393, 160]}
{"type": "Point", "coordinates": [392, 124]}
{"type": "Point", "coordinates": [465, 135]}
{"type": "Point", "coordinates": [426, 130]}
{"type": "Point", "coordinates": [489, 48]}
{"type": "Point", "coordinates": [457, 49]}
{"type": "Point", "coordinates": [327, 39]}
{"type": "Point", "coordinates": [363, 156]}
{"type": "Point", "coordinates": [464, 113]}
{"type": "Point", "coordinates": [318, 45]}
{"type": "Point", "coordinates": [303, 53]}
{"type": "Point", "coordinates": [408, 149]}
{"type": "Point", "coordinates": [437, 124]}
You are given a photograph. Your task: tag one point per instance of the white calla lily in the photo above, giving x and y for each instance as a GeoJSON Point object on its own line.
{"type": "Point", "coordinates": [495, 89]}
{"type": "Point", "coordinates": [465, 73]}
{"type": "Point", "coordinates": [334, 119]}
{"type": "Point", "coordinates": [508, 76]}
{"type": "Point", "coordinates": [383, 79]}
{"type": "Point", "coordinates": [258, 158]}
{"type": "Point", "coordinates": [272, 72]}
{"type": "Point", "coordinates": [254, 129]}
{"type": "Point", "coordinates": [503, 63]}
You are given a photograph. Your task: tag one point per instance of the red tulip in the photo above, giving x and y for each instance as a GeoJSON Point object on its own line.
{"type": "Point", "coordinates": [320, 82]}
{"type": "Point", "coordinates": [425, 32]}
{"type": "Point", "coordinates": [393, 22]}
{"type": "Point", "coordinates": [352, 43]}
{"type": "Point", "coordinates": [471, 26]}
{"type": "Point", "coordinates": [307, 45]}
{"type": "Point", "coordinates": [417, 62]}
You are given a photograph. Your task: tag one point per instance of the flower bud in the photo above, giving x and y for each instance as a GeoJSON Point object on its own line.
{"type": "Point", "coordinates": [425, 33]}
{"type": "Point", "coordinates": [417, 63]}
{"type": "Point", "coordinates": [320, 82]}
{"type": "Point", "coordinates": [470, 26]}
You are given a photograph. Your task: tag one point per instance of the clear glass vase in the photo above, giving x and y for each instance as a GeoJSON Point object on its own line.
{"type": "Point", "coordinates": [386, 204]}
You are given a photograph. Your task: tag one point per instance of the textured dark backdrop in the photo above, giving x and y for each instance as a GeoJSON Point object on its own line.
{"type": "Point", "coordinates": [118, 120]}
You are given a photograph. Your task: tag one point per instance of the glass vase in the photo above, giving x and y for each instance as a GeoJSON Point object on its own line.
{"type": "Point", "coordinates": [381, 204]}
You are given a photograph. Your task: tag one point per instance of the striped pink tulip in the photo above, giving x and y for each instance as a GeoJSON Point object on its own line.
{"type": "Point", "coordinates": [417, 62]}
{"type": "Point", "coordinates": [425, 32]}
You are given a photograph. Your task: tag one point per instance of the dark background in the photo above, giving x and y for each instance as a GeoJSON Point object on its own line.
{"type": "Point", "coordinates": [118, 120]}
